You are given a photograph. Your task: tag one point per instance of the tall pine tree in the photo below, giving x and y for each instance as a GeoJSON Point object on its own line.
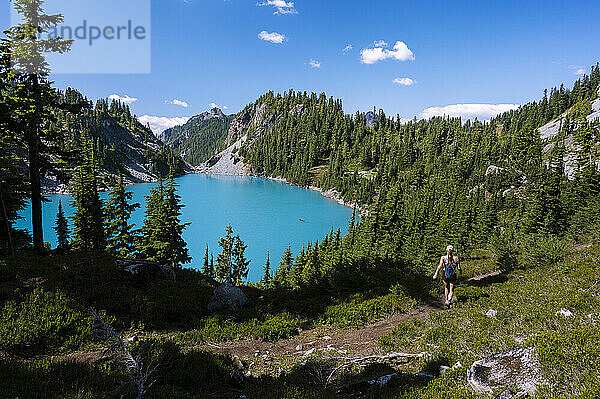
{"type": "Point", "coordinates": [88, 220]}
{"type": "Point", "coordinates": [119, 232]}
{"type": "Point", "coordinates": [161, 237]}
{"type": "Point", "coordinates": [62, 228]}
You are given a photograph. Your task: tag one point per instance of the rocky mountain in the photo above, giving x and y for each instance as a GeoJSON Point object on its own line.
{"type": "Point", "coordinates": [253, 121]}
{"type": "Point", "coordinates": [120, 143]}
{"type": "Point", "coordinates": [570, 131]}
{"type": "Point", "coordinates": [200, 137]}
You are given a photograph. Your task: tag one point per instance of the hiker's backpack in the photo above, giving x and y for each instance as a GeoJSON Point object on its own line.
{"type": "Point", "coordinates": [450, 269]}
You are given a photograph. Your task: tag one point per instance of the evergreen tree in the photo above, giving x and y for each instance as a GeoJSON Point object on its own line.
{"type": "Point", "coordinates": [151, 242]}
{"type": "Point", "coordinates": [232, 265]}
{"type": "Point", "coordinates": [32, 98]}
{"type": "Point", "coordinates": [266, 280]}
{"type": "Point", "coordinates": [118, 210]}
{"type": "Point", "coordinates": [224, 268]}
{"type": "Point", "coordinates": [161, 237]}
{"type": "Point", "coordinates": [240, 264]}
{"type": "Point", "coordinates": [88, 220]}
{"type": "Point", "coordinates": [62, 228]}
{"type": "Point", "coordinates": [285, 264]}
{"type": "Point", "coordinates": [208, 268]}
{"type": "Point", "coordinates": [176, 250]}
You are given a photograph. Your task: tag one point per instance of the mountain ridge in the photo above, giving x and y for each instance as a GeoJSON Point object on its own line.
{"type": "Point", "coordinates": [200, 137]}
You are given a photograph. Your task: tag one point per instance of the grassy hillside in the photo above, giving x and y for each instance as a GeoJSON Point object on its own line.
{"type": "Point", "coordinates": [47, 355]}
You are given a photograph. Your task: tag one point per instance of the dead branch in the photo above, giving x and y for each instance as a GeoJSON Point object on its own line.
{"type": "Point", "coordinates": [349, 361]}
{"type": "Point", "coordinates": [140, 374]}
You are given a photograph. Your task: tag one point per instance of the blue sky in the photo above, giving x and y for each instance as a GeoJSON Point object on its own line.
{"type": "Point", "coordinates": [441, 53]}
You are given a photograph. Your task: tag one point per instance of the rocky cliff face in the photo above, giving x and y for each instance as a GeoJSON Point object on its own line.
{"type": "Point", "coordinates": [254, 120]}
{"type": "Point", "coordinates": [564, 131]}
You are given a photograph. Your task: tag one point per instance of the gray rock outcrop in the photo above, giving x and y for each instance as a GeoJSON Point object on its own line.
{"type": "Point", "coordinates": [227, 297]}
{"type": "Point", "coordinates": [517, 368]}
{"type": "Point", "coordinates": [145, 270]}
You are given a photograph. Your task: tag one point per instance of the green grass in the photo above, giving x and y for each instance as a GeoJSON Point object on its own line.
{"type": "Point", "coordinates": [358, 311]}
{"type": "Point", "coordinates": [527, 301]}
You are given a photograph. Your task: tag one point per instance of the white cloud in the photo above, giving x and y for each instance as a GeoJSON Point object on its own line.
{"type": "Point", "coordinates": [281, 7]}
{"type": "Point", "coordinates": [379, 43]}
{"type": "Point", "coordinates": [400, 52]}
{"type": "Point", "coordinates": [159, 123]}
{"type": "Point", "coordinates": [347, 48]}
{"type": "Point", "coordinates": [314, 63]}
{"type": "Point", "coordinates": [126, 99]}
{"type": "Point", "coordinates": [274, 37]}
{"type": "Point", "coordinates": [404, 81]}
{"type": "Point", "coordinates": [468, 111]}
{"type": "Point", "coordinates": [577, 70]}
{"type": "Point", "coordinates": [179, 102]}
{"type": "Point", "coordinates": [214, 105]}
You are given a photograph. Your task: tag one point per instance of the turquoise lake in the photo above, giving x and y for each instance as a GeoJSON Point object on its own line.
{"type": "Point", "coordinates": [266, 213]}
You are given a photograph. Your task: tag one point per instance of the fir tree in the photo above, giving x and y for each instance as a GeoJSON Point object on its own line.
{"type": "Point", "coordinates": [151, 242]}
{"type": "Point", "coordinates": [88, 220]}
{"type": "Point", "coordinates": [176, 249]}
{"type": "Point", "coordinates": [118, 210]}
{"type": "Point", "coordinates": [208, 268]}
{"type": "Point", "coordinates": [32, 98]}
{"type": "Point", "coordinates": [61, 228]}
{"type": "Point", "coordinates": [224, 268]}
{"type": "Point", "coordinates": [266, 280]}
{"type": "Point", "coordinates": [240, 264]}
{"type": "Point", "coordinates": [161, 237]}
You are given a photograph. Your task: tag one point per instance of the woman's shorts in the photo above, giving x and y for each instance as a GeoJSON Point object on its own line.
{"type": "Point", "coordinates": [450, 280]}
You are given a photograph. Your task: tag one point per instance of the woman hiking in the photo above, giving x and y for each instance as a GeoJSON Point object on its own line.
{"type": "Point", "coordinates": [451, 267]}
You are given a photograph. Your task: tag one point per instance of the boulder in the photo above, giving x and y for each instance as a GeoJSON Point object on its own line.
{"type": "Point", "coordinates": [145, 270]}
{"type": "Point", "coordinates": [564, 312]}
{"type": "Point", "coordinates": [227, 297]}
{"type": "Point", "coordinates": [517, 368]}
{"type": "Point", "coordinates": [381, 381]}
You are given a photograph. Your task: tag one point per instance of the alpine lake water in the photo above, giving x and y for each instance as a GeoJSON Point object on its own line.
{"type": "Point", "coordinates": [269, 215]}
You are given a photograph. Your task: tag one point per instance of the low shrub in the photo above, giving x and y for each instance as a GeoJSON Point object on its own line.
{"type": "Point", "coordinates": [357, 312]}
{"type": "Point", "coordinates": [470, 293]}
{"type": "Point", "coordinates": [218, 329]}
{"type": "Point", "coordinates": [543, 250]}
{"type": "Point", "coordinates": [43, 321]}
{"type": "Point", "coordinates": [505, 251]}
{"type": "Point", "coordinates": [401, 335]}
{"type": "Point", "coordinates": [571, 361]}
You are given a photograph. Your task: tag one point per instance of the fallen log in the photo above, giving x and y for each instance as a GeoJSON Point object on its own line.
{"type": "Point", "coordinates": [350, 361]}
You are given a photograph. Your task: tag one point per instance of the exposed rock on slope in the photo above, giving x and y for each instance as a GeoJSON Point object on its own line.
{"type": "Point", "coordinates": [564, 129]}
{"type": "Point", "coordinates": [249, 124]}
{"type": "Point", "coordinates": [518, 368]}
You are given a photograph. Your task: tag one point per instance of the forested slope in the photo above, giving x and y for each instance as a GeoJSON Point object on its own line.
{"type": "Point", "coordinates": [121, 144]}
{"type": "Point", "coordinates": [200, 137]}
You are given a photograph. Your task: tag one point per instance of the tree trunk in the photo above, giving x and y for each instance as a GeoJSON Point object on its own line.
{"type": "Point", "coordinates": [35, 175]}
{"type": "Point", "coordinates": [8, 226]}
{"type": "Point", "coordinates": [36, 195]}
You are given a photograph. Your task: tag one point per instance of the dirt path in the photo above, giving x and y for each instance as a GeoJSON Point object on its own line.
{"type": "Point", "coordinates": [359, 341]}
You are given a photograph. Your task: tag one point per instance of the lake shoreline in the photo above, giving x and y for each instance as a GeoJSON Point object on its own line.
{"type": "Point", "coordinates": [331, 194]}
